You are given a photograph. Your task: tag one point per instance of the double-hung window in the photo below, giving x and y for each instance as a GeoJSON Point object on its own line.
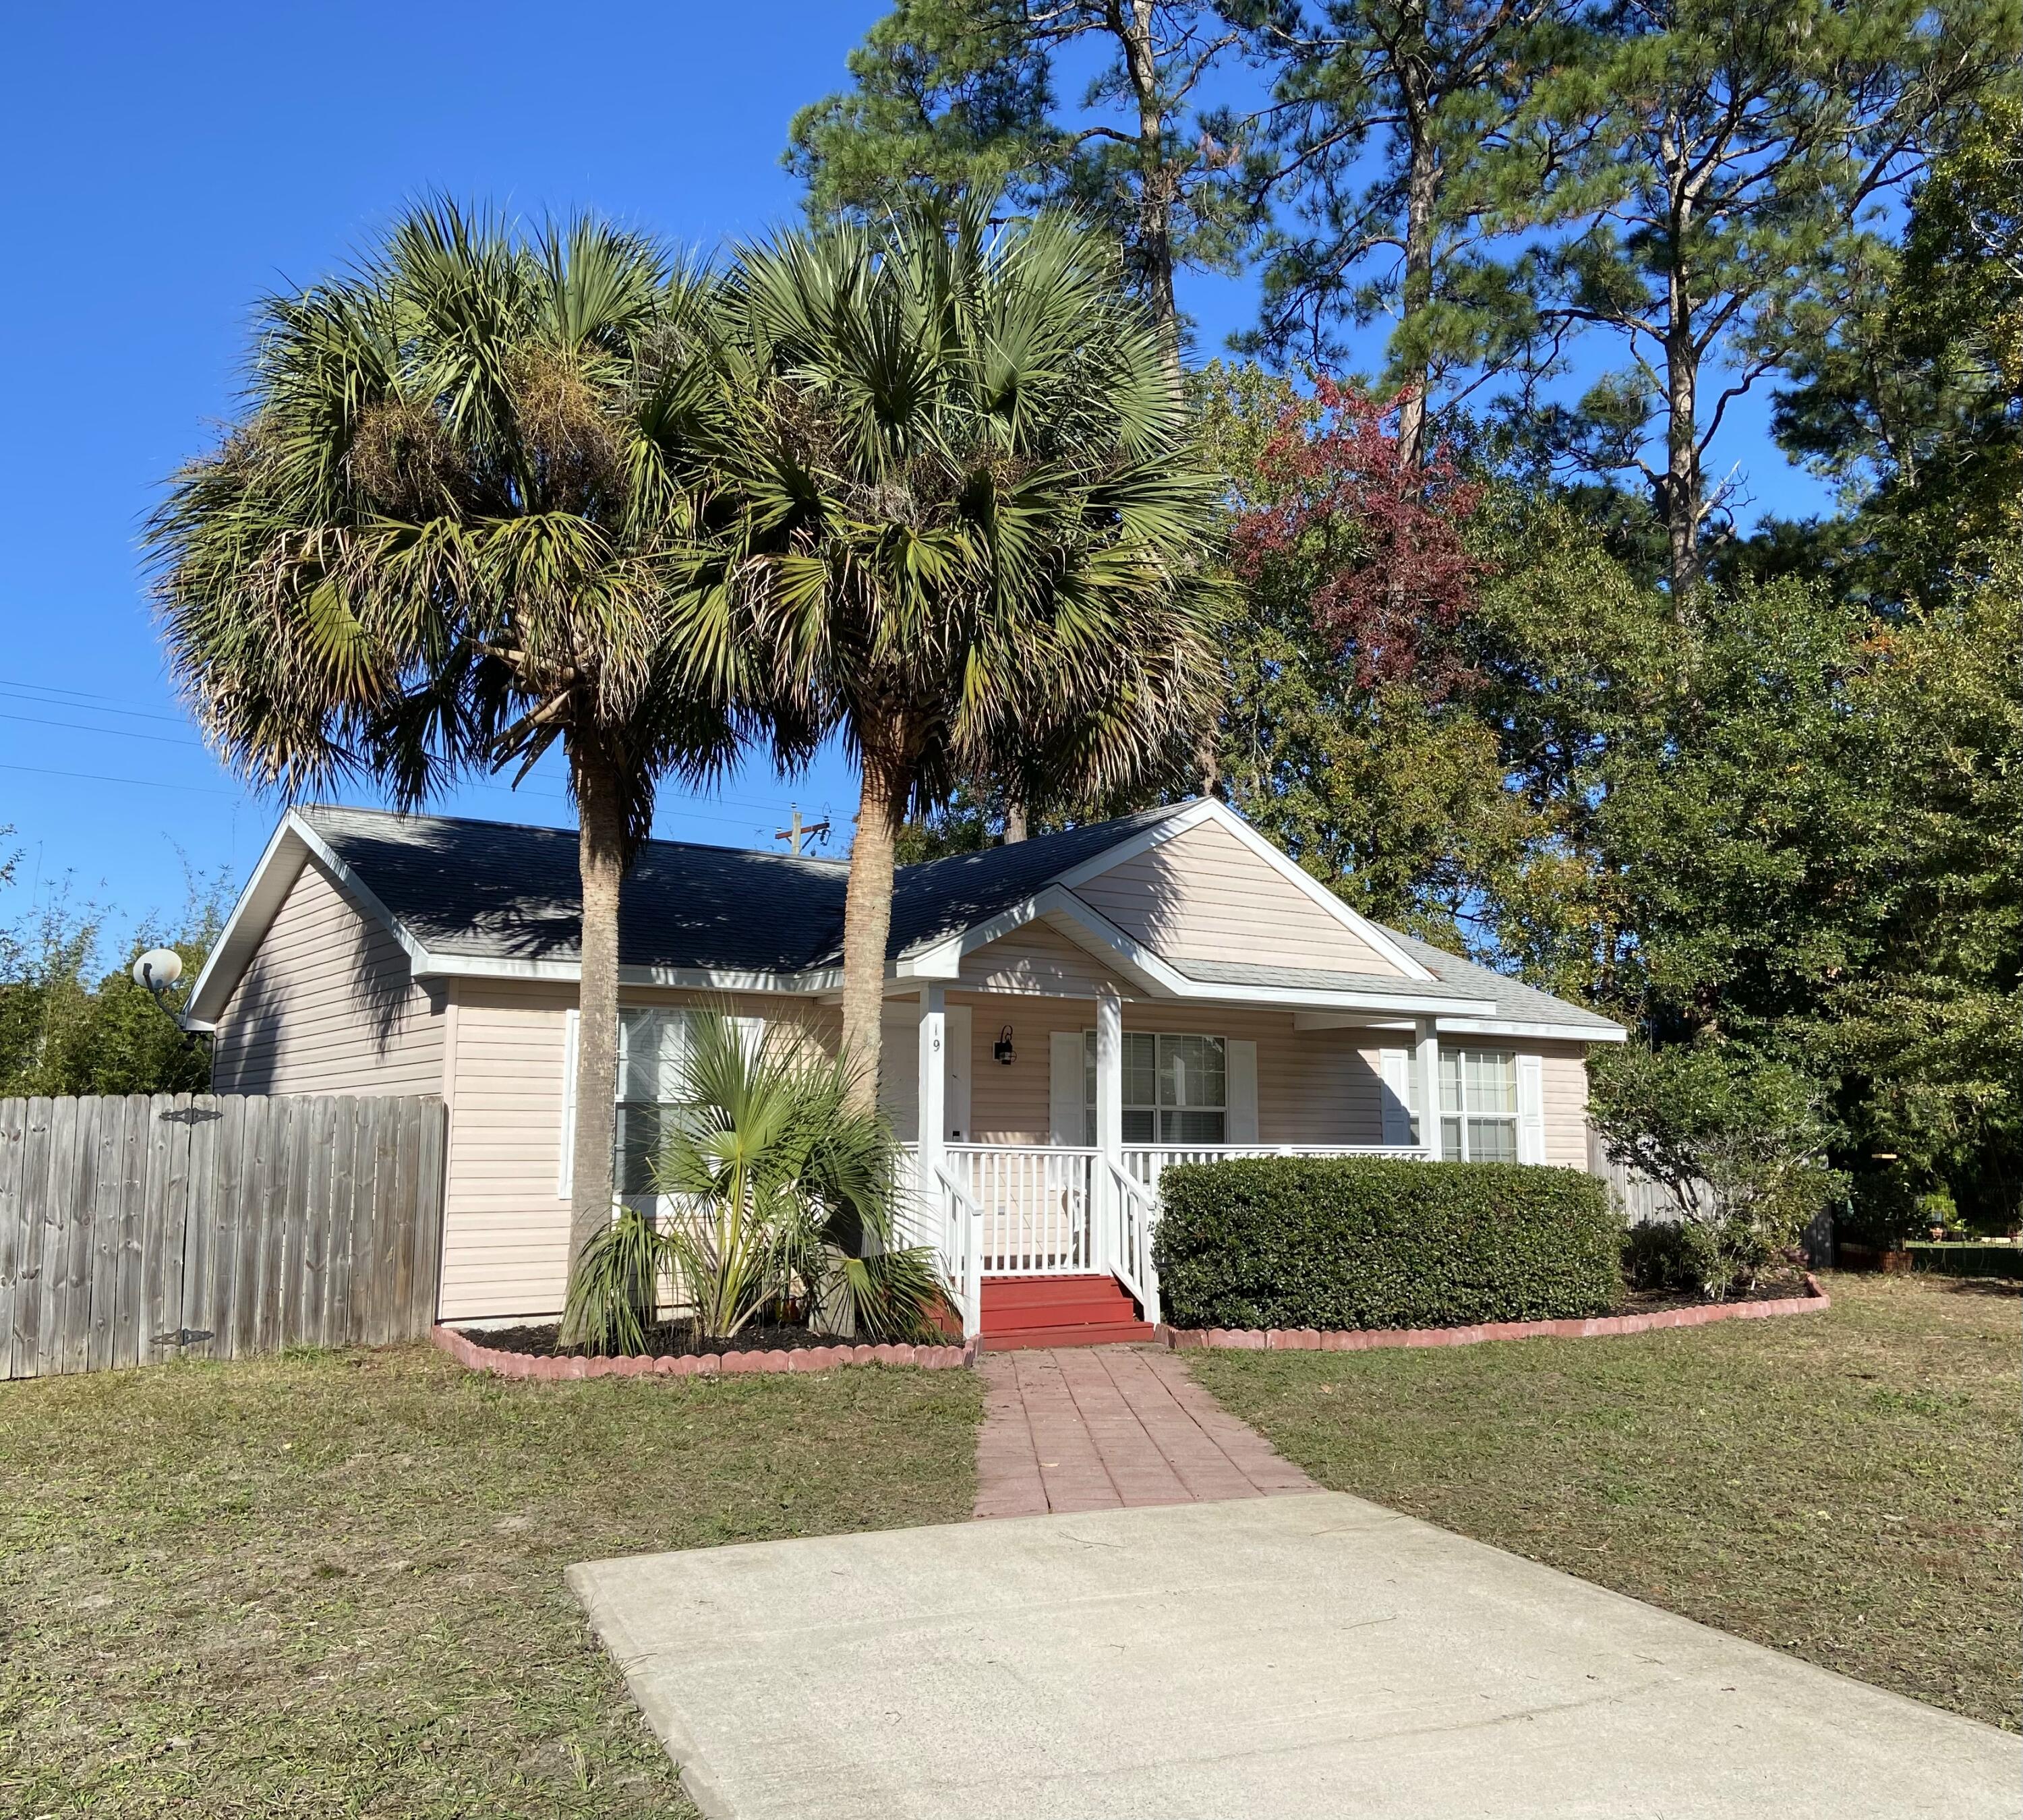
{"type": "Point", "coordinates": [1175, 1089]}
{"type": "Point", "coordinates": [1478, 1105]}
{"type": "Point", "coordinates": [652, 1045]}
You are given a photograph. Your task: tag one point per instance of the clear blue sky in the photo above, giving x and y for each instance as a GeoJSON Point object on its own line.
{"type": "Point", "coordinates": [165, 166]}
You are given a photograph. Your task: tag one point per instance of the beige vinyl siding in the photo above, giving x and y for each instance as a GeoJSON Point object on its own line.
{"type": "Point", "coordinates": [1204, 896]}
{"type": "Point", "coordinates": [1314, 1087]}
{"type": "Point", "coordinates": [1035, 959]}
{"type": "Point", "coordinates": [328, 1005]}
{"type": "Point", "coordinates": [1562, 1091]}
{"type": "Point", "coordinates": [505, 1248]}
{"type": "Point", "coordinates": [505, 1229]}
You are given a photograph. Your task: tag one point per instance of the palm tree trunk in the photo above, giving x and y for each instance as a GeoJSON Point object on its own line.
{"type": "Point", "coordinates": [867, 915]}
{"type": "Point", "coordinates": [601, 858]}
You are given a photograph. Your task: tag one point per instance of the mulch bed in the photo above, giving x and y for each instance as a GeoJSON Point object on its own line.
{"type": "Point", "coordinates": [1659, 1301]}
{"type": "Point", "coordinates": [676, 1339]}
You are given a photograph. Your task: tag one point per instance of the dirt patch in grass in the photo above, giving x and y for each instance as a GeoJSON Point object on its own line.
{"type": "Point", "coordinates": [1843, 1485]}
{"type": "Point", "coordinates": [330, 1583]}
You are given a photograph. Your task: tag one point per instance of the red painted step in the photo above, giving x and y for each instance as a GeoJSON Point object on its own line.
{"type": "Point", "coordinates": [1021, 1312]}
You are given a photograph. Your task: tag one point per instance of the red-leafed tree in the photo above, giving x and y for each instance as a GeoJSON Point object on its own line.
{"type": "Point", "coordinates": [1373, 540]}
{"type": "Point", "coordinates": [1348, 731]}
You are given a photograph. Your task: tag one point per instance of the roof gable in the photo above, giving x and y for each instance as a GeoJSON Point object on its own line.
{"type": "Point", "coordinates": [1204, 896]}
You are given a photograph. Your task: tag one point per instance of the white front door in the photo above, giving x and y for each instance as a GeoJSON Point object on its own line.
{"type": "Point", "coordinates": [899, 1072]}
{"type": "Point", "coordinates": [960, 1056]}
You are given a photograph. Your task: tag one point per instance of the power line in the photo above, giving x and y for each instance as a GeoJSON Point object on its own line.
{"type": "Point", "coordinates": [34, 691]}
{"type": "Point", "coordinates": [85, 701]}
{"type": "Point", "coordinates": [135, 783]}
{"type": "Point", "coordinates": [104, 732]}
{"type": "Point", "coordinates": [763, 809]}
{"type": "Point", "coordinates": [207, 790]}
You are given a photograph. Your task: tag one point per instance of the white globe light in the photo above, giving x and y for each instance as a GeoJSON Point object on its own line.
{"type": "Point", "coordinates": [157, 968]}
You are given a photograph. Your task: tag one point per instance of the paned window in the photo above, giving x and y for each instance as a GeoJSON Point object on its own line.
{"type": "Point", "coordinates": [1478, 1105]}
{"type": "Point", "coordinates": [1175, 1090]}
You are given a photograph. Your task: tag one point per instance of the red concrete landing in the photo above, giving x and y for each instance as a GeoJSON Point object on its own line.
{"type": "Point", "coordinates": [1099, 1429]}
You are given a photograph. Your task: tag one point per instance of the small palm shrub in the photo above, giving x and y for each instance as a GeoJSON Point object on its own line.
{"type": "Point", "coordinates": [781, 1197]}
{"type": "Point", "coordinates": [614, 1294]}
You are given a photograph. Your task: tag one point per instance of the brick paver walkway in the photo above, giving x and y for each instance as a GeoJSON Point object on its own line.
{"type": "Point", "coordinates": [1096, 1428]}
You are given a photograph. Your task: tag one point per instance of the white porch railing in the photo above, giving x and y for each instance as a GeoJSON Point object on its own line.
{"type": "Point", "coordinates": [961, 1248]}
{"type": "Point", "coordinates": [1037, 1205]}
{"type": "Point", "coordinates": [1147, 1162]}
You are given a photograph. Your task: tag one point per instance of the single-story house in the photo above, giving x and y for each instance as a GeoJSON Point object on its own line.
{"type": "Point", "coordinates": [1072, 1012]}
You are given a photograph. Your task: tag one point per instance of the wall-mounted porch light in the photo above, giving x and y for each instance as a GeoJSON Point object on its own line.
{"type": "Point", "coordinates": [1002, 1049]}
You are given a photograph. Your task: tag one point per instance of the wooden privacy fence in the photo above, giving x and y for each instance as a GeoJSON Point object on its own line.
{"type": "Point", "coordinates": [1641, 1197]}
{"type": "Point", "coordinates": [142, 1229]}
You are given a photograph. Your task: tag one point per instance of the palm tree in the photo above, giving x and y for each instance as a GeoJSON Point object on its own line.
{"type": "Point", "coordinates": [451, 528]}
{"type": "Point", "coordinates": [974, 524]}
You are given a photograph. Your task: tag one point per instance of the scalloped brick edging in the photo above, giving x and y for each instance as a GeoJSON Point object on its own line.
{"type": "Point", "coordinates": [468, 1353]}
{"type": "Point", "coordinates": [1317, 1339]}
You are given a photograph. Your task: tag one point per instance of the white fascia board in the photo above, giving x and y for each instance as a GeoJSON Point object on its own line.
{"type": "Point", "coordinates": [1054, 903]}
{"type": "Point", "coordinates": [272, 876]}
{"type": "Point", "coordinates": [293, 843]}
{"type": "Point", "coordinates": [1404, 1003]}
{"type": "Point", "coordinates": [570, 973]}
{"type": "Point", "coordinates": [1543, 1031]}
{"type": "Point", "coordinates": [1456, 1022]}
{"type": "Point", "coordinates": [360, 892]}
{"type": "Point", "coordinates": [1184, 815]}
{"type": "Point", "coordinates": [1160, 979]}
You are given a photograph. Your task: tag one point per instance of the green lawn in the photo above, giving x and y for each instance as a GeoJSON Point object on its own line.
{"type": "Point", "coordinates": [330, 1583]}
{"type": "Point", "coordinates": [1841, 1486]}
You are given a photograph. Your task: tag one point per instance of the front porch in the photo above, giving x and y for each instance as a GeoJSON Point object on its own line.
{"type": "Point", "coordinates": [1147, 1096]}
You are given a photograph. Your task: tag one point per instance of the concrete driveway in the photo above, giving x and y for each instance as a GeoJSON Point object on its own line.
{"type": "Point", "coordinates": [1308, 1655]}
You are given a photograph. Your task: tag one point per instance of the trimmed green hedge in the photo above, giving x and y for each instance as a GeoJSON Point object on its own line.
{"type": "Point", "coordinates": [1365, 1242]}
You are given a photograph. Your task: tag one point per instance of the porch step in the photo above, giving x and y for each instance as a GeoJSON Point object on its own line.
{"type": "Point", "coordinates": [1021, 1312]}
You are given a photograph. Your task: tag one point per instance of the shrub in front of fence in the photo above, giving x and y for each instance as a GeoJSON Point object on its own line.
{"type": "Point", "coordinates": [1362, 1242]}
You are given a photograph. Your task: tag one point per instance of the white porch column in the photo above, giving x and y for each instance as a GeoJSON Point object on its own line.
{"type": "Point", "coordinates": [1109, 1122]}
{"type": "Point", "coordinates": [1426, 1059]}
{"type": "Point", "coordinates": [932, 1100]}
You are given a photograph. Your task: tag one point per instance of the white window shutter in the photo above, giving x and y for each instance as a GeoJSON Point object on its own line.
{"type": "Point", "coordinates": [1239, 1063]}
{"type": "Point", "coordinates": [1530, 1110]}
{"type": "Point", "coordinates": [565, 1168]}
{"type": "Point", "coordinates": [1395, 1091]}
{"type": "Point", "coordinates": [1067, 1113]}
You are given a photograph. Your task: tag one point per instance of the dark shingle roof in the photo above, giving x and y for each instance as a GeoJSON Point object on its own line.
{"type": "Point", "coordinates": [504, 891]}
{"type": "Point", "coordinates": [501, 890]}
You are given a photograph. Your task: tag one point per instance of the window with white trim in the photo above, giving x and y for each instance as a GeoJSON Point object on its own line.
{"type": "Point", "coordinates": [1478, 1105]}
{"type": "Point", "coordinates": [652, 1047]}
{"type": "Point", "coordinates": [1176, 1088]}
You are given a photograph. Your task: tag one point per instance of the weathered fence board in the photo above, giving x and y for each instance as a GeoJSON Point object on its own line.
{"type": "Point", "coordinates": [1640, 1198]}
{"type": "Point", "coordinates": [138, 1228]}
